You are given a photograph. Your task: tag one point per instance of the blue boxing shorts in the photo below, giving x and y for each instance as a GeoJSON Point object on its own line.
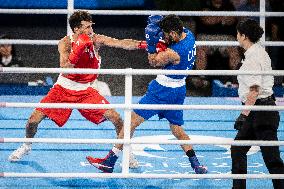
{"type": "Point", "coordinates": [158, 94]}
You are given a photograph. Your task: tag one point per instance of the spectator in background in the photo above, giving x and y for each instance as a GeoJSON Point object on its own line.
{"type": "Point", "coordinates": [217, 28]}
{"type": "Point", "coordinates": [252, 6]}
{"type": "Point", "coordinates": [238, 3]}
{"type": "Point", "coordinates": [9, 58]}
{"type": "Point", "coordinates": [181, 5]}
{"type": "Point", "coordinates": [8, 55]}
{"type": "Point", "coordinates": [277, 34]}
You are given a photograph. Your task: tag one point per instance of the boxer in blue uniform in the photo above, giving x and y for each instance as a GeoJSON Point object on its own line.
{"type": "Point", "coordinates": [170, 46]}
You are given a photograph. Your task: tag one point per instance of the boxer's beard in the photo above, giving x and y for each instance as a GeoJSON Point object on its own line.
{"type": "Point", "coordinates": [171, 40]}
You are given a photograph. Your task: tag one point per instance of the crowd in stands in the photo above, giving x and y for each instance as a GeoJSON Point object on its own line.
{"type": "Point", "coordinates": [208, 28]}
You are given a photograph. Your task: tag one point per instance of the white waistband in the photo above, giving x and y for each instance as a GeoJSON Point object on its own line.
{"type": "Point", "coordinates": [72, 85]}
{"type": "Point", "coordinates": [170, 82]}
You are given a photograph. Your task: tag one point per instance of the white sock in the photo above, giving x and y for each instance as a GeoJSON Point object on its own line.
{"type": "Point", "coordinates": [28, 143]}
{"type": "Point", "coordinates": [116, 151]}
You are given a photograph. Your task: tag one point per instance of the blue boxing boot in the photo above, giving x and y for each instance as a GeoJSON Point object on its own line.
{"type": "Point", "coordinates": [104, 164]}
{"type": "Point", "coordinates": [199, 169]}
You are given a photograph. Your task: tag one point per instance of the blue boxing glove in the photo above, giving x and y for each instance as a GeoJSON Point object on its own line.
{"type": "Point", "coordinates": [153, 35]}
{"type": "Point", "coordinates": [154, 19]}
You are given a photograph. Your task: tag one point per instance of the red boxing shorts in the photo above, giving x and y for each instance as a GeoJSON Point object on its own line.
{"type": "Point", "coordinates": [58, 94]}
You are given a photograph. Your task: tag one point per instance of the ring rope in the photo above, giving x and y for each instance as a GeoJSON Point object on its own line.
{"type": "Point", "coordinates": [131, 141]}
{"type": "Point", "coordinates": [137, 175]}
{"type": "Point", "coordinates": [130, 71]}
{"type": "Point", "coordinates": [199, 43]}
{"type": "Point", "coordinates": [143, 12]}
{"type": "Point", "coordinates": [28, 42]}
{"type": "Point", "coordinates": [138, 106]}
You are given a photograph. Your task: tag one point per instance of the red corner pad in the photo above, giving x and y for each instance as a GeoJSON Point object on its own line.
{"type": "Point", "coordinates": [1, 140]}
{"type": "Point", "coordinates": [1, 174]}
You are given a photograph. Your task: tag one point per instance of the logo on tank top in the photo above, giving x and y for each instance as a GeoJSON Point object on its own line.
{"type": "Point", "coordinates": [191, 53]}
{"type": "Point", "coordinates": [90, 52]}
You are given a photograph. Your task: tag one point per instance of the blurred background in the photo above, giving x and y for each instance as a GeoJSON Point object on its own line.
{"type": "Point", "coordinates": [54, 27]}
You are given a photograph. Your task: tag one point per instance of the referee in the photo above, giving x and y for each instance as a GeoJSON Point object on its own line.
{"type": "Point", "coordinates": [255, 90]}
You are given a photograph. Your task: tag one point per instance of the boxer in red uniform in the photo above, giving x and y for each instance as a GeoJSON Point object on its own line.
{"type": "Point", "coordinates": [79, 50]}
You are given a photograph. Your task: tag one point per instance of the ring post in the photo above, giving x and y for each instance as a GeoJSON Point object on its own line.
{"type": "Point", "coordinates": [127, 122]}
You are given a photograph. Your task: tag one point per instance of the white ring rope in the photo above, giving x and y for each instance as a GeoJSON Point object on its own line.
{"type": "Point", "coordinates": [28, 42]}
{"type": "Point", "coordinates": [131, 141]}
{"type": "Point", "coordinates": [137, 175]}
{"type": "Point", "coordinates": [140, 12]}
{"type": "Point", "coordinates": [144, 12]}
{"type": "Point", "coordinates": [138, 106]}
{"type": "Point", "coordinates": [199, 43]}
{"type": "Point", "coordinates": [130, 71]}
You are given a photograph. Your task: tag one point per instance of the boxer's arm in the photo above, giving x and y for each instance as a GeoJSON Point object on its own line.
{"type": "Point", "coordinates": [163, 58]}
{"type": "Point", "coordinates": [64, 48]}
{"type": "Point", "coordinates": [128, 44]}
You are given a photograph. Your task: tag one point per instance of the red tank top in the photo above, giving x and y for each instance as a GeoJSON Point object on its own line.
{"type": "Point", "coordinates": [87, 60]}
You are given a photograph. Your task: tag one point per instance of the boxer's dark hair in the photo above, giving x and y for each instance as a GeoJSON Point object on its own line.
{"type": "Point", "coordinates": [171, 23]}
{"type": "Point", "coordinates": [251, 29]}
{"type": "Point", "coordinates": [78, 16]}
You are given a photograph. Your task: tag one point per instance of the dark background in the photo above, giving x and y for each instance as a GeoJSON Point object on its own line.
{"type": "Point", "coordinates": [53, 27]}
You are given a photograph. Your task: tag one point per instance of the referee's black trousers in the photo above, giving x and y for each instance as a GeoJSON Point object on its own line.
{"type": "Point", "coordinates": [261, 125]}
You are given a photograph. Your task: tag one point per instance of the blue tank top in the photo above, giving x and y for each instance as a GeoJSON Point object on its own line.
{"type": "Point", "coordinates": [186, 49]}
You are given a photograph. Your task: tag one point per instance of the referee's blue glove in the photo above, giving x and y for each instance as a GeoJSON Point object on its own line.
{"type": "Point", "coordinates": [240, 122]}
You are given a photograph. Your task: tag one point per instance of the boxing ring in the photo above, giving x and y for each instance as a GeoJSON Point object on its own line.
{"type": "Point", "coordinates": [58, 156]}
{"type": "Point", "coordinates": [57, 164]}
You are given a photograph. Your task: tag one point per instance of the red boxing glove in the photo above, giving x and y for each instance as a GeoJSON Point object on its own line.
{"type": "Point", "coordinates": [161, 46]}
{"type": "Point", "coordinates": [142, 45]}
{"type": "Point", "coordinates": [79, 47]}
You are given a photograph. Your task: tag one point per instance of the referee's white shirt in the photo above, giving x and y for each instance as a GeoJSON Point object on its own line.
{"type": "Point", "coordinates": [256, 59]}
